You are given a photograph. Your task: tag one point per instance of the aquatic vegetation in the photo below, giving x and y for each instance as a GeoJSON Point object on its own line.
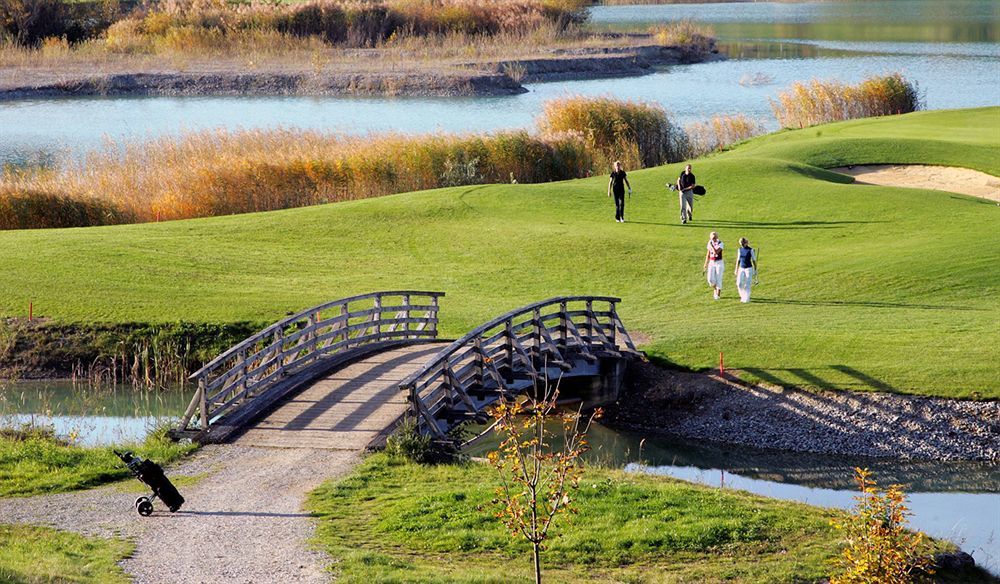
{"type": "Point", "coordinates": [720, 132]}
{"type": "Point", "coordinates": [817, 102]}
{"type": "Point", "coordinates": [213, 173]}
{"type": "Point", "coordinates": [638, 133]}
{"type": "Point", "coordinates": [685, 33]}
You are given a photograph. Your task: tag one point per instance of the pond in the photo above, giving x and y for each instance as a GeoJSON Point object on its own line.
{"type": "Point", "coordinates": [956, 501]}
{"type": "Point", "coordinates": [951, 48]}
{"type": "Point", "coordinates": [93, 416]}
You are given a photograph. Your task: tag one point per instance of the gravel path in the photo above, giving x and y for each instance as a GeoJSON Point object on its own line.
{"type": "Point", "coordinates": [242, 522]}
{"type": "Point", "coordinates": [706, 407]}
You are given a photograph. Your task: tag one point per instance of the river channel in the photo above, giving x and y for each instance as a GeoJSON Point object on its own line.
{"type": "Point", "coordinates": [951, 48]}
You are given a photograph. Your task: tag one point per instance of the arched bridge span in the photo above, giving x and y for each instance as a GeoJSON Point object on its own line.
{"type": "Point", "coordinates": [341, 374]}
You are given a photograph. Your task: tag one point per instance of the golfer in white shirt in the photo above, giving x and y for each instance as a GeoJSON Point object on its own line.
{"type": "Point", "coordinates": [714, 265]}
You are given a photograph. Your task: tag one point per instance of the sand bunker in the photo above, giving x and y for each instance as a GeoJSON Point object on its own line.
{"type": "Point", "coordinates": [939, 178]}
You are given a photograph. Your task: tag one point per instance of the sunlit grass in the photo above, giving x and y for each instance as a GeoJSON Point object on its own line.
{"type": "Point", "coordinates": [37, 555]}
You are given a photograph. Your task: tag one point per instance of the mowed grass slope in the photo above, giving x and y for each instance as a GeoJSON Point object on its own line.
{"type": "Point", "coordinates": [863, 287]}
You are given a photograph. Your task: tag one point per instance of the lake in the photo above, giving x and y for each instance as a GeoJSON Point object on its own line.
{"type": "Point", "coordinates": [951, 48]}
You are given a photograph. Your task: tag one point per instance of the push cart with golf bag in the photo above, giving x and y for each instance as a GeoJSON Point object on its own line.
{"type": "Point", "coordinates": [151, 474]}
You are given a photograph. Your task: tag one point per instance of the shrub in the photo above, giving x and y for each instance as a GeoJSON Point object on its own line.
{"type": "Point", "coordinates": [637, 133]}
{"type": "Point", "coordinates": [879, 548]}
{"type": "Point", "coordinates": [408, 443]}
{"type": "Point", "coordinates": [818, 102]}
{"type": "Point", "coordinates": [720, 132]}
{"type": "Point", "coordinates": [30, 21]}
{"type": "Point", "coordinates": [686, 35]}
{"type": "Point", "coordinates": [33, 209]}
{"type": "Point", "coordinates": [218, 173]}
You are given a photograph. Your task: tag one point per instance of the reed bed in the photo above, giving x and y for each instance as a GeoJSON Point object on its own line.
{"type": "Point", "coordinates": [818, 102]}
{"type": "Point", "coordinates": [687, 34]}
{"type": "Point", "coordinates": [221, 172]}
{"type": "Point", "coordinates": [639, 134]}
{"type": "Point", "coordinates": [720, 132]}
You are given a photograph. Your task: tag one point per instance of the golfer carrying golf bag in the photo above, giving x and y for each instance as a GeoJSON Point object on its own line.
{"type": "Point", "coordinates": [685, 193]}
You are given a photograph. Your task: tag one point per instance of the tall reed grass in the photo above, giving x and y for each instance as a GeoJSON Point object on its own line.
{"type": "Point", "coordinates": [693, 38]}
{"type": "Point", "coordinates": [638, 133]}
{"type": "Point", "coordinates": [198, 24]}
{"type": "Point", "coordinates": [220, 172]}
{"type": "Point", "coordinates": [720, 132]}
{"type": "Point", "coordinates": [818, 102]}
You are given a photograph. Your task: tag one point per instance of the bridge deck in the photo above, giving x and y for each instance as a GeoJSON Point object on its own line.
{"type": "Point", "coordinates": [346, 409]}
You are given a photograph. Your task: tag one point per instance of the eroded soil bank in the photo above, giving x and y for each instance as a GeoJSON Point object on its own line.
{"type": "Point", "coordinates": [362, 73]}
{"type": "Point", "coordinates": [726, 409]}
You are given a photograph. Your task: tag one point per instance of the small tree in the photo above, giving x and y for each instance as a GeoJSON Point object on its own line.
{"type": "Point", "coordinates": [535, 477]}
{"type": "Point", "coordinates": [880, 550]}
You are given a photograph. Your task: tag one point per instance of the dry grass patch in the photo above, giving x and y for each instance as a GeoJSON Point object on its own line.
{"type": "Point", "coordinates": [818, 102]}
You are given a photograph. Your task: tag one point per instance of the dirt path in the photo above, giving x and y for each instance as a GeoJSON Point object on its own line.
{"type": "Point", "coordinates": [242, 522]}
{"type": "Point", "coordinates": [916, 176]}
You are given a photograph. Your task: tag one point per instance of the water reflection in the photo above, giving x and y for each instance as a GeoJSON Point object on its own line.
{"type": "Point", "coordinates": [957, 501]}
{"type": "Point", "coordinates": [93, 416]}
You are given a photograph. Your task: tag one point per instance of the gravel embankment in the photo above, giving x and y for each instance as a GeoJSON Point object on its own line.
{"type": "Point", "coordinates": [707, 407]}
{"type": "Point", "coordinates": [242, 522]}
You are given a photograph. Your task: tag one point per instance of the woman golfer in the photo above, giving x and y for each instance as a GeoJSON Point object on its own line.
{"type": "Point", "coordinates": [714, 265]}
{"type": "Point", "coordinates": [746, 266]}
{"type": "Point", "coordinates": [617, 185]}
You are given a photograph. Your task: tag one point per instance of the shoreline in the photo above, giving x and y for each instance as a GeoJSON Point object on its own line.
{"type": "Point", "coordinates": [468, 79]}
{"type": "Point", "coordinates": [727, 410]}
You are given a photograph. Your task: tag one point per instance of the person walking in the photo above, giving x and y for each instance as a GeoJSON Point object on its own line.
{"type": "Point", "coordinates": [685, 194]}
{"type": "Point", "coordinates": [746, 267]}
{"type": "Point", "coordinates": [619, 181]}
{"type": "Point", "coordinates": [714, 265]}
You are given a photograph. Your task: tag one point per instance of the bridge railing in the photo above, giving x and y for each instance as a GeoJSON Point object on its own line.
{"type": "Point", "coordinates": [249, 368]}
{"type": "Point", "coordinates": [511, 352]}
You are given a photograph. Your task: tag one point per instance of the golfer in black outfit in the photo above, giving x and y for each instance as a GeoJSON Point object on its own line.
{"type": "Point", "coordinates": [617, 186]}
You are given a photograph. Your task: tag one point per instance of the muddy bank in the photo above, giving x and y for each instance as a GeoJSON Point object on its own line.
{"type": "Point", "coordinates": [42, 349]}
{"type": "Point", "coordinates": [879, 425]}
{"type": "Point", "coordinates": [360, 79]}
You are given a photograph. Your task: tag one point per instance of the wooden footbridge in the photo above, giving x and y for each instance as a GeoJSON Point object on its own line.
{"type": "Point", "coordinates": [341, 374]}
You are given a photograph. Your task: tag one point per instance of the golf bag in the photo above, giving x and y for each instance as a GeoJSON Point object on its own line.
{"type": "Point", "coordinates": [151, 474]}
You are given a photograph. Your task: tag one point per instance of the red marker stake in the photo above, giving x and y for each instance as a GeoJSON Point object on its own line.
{"type": "Point", "coordinates": [31, 311]}
{"type": "Point", "coordinates": [722, 367]}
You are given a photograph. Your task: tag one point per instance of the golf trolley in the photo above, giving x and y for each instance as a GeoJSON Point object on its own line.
{"type": "Point", "coordinates": [151, 475]}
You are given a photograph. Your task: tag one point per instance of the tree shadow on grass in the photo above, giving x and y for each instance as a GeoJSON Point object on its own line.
{"type": "Point", "coordinates": [861, 303]}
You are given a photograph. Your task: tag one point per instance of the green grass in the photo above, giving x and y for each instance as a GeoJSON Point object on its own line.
{"type": "Point", "coordinates": [395, 521]}
{"type": "Point", "coordinates": [862, 287]}
{"type": "Point", "coordinates": [37, 464]}
{"type": "Point", "coordinates": [30, 555]}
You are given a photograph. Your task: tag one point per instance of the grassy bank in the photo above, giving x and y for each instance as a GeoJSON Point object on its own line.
{"type": "Point", "coordinates": [34, 463]}
{"type": "Point", "coordinates": [36, 555]}
{"type": "Point", "coordinates": [397, 521]}
{"type": "Point", "coordinates": [863, 287]}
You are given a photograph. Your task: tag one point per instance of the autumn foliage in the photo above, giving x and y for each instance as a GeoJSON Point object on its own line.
{"type": "Point", "coordinates": [535, 474]}
{"type": "Point", "coordinates": [880, 550]}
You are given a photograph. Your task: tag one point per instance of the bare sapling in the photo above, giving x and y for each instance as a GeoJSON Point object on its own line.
{"type": "Point", "coordinates": [536, 472]}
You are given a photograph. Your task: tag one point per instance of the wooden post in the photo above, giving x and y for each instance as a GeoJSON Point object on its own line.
{"type": "Point", "coordinates": [434, 313]}
{"type": "Point", "coordinates": [509, 342]}
{"type": "Point", "coordinates": [31, 311]}
{"type": "Point", "coordinates": [203, 403]}
{"type": "Point", "coordinates": [614, 327]}
{"type": "Point", "coordinates": [536, 352]}
{"type": "Point", "coordinates": [377, 318]}
{"type": "Point", "coordinates": [406, 316]}
{"type": "Point", "coordinates": [590, 322]}
{"type": "Point", "coordinates": [480, 361]}
{"type": "Point", "coordinates": [563, 327]}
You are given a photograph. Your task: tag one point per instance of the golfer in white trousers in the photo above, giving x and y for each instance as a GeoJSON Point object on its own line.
{"type": "Point", "coordinates": [746, 267]}
{"type": "Point", "coordinates": [714, 265]}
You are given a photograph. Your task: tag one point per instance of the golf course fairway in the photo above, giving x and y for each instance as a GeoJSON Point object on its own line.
{"type": "Point", "coordinates": [862, 287]}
